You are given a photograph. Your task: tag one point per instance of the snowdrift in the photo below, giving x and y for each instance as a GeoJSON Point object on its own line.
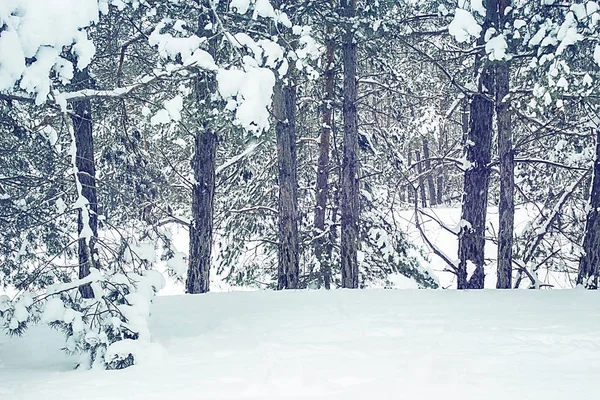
{"type": "Point", "coordinates": [369, 344]}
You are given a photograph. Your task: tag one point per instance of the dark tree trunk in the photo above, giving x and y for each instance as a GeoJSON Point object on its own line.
{"type": "Point", "coordinates": [201, 227]}
{"type": "Point", "coordinates": [86, 167]}
{"type": "Point", "coordinates": [350, 201]}
{"type": "Point", "coordinates": [471, 238]}
{"type": "Point", "coordinates": [203, 191]}
{"type": "Point", "coordinates": [430, 183]}
{"type": "Point", "coordinates": [506, 207]}
{"type": "Point", "coordinates": [421, 179]}
{"type": "Point", "coordinates": [410, 189]}
{"type": "Point", "coordinates": [284, 110]}
{"type": "Point", "coordinates": [589, 262]}
{"type": "Point", "coordinates": [322, 244]}
{"type": "Point", "coordinates": [478, 147]}
{"type": "Point", "coordinates": [440, 187]}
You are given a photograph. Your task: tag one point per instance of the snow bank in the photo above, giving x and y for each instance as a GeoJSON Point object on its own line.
{"type": "Point", "coordinates": [337, 345]}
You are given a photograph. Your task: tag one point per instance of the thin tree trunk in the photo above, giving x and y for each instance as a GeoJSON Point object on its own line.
{"type": "Point", "coordinates": [506, 207]}
{"type": "Point", "coordinates": [322, 245]}
{"type": "Point", "coordinates": [589, 262]}
{"type": "Point", "coordinates": [350, 205]}
{"type": "Point", "coordinates": [421, 179]}
{"type": "Point", "coordinates": [86, 167]}
{"type": "Point", "coordinates": [203, 191]}
{"type": "Point", "coordinates": [284, 109]}
{"type": "Point", "coordinates": [410, 189]}
{"type": "Point", "coordinates": [478, 147]}
{"type": "Point", "coordinates": [430, 183]}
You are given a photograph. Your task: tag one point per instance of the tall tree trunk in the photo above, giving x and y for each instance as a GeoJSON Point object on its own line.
{"type": "Point", "coordinates": [421, 179]}
{"type": "Point", "coordinates": [203, 191]}
{"type": "Point", "coordinates": [589, 263]}
{"type": "Point", "coordinates": [201, 227]}
{"type": "Point", "coordinates": [410, 188]}
{"type": "Point", "coordinates": [322, 245]}
{"type": "Point", "coordinates": [506, 207]}
{"type": "Point", "coordinates": [86, 167]}
{"type": "Point", "coordinates": [430, 183]}
{"type": "Point", "coordinates": [478, 147]}
{"type": "Point", "coordinates": [284, 110]}
{"type": "Point", "coordinates": [350, 204]}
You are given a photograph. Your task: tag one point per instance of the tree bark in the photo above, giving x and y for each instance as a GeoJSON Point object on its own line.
{"type": "Point", "coordinates": [430, 183]}
{"type": "Point", "coordinates": [322, 244]}
{"type": "Point", "coordinates": [471, 240]}
{"type": "Point", "coordinates": [590, 260]}
{"type": "Point", "coordinates": [350, 206]}
{"type": "Point", "coordinates": [421, 180]}
{"type": "Point", "coordinates": [86, 167]}
{"type": "Point", "coordinates": [506, 207]}
{"type": "Point", "coordinates": [203, 191]}
{"type": "Point", "coordinates": [284, 110]}
{"type": "Point", "coordinates": [201, 227]}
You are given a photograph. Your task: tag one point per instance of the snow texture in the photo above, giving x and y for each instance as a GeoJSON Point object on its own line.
{"type": "Point", "coordinates": [496, 48]}
{"type": "Point", "coordinates": [40, 29]}
{"type": "Point", "coordinates": [463, 26]}
{"type": "Point", "coordinates": [252, 91]}
{"type": "Point", "coordinates": [367, 344]}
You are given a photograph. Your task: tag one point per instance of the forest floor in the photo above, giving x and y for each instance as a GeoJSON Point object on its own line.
{"type": "Point", "coordinates": [369, 344]}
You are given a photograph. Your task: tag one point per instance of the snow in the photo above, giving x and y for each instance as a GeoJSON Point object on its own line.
{"type": "Point", "coordinates": [477, 6]}
{"type": "Point", "coordinates": [54, 310]}
{"type": "Point", "coordinates": [496, 48]}
{"type": "Point", "coordinates": [463, 26]}
{"type": "Point", "coordinates": [12, 59]}
{"type": "Point", "coordinates": [446, 241]}
{"type": "Point", "coordinates": [252, 89]}
{"type": "Point", "coordinates": [171, 111]}
{"type": "Point", "coordinates": [369, 344]}
{"type": "Point", "coordinates": [240, 6]}
{"type": "Point", "coordinates": [40, 29]}
{"type": "Point", "coordinates": [263, 8]}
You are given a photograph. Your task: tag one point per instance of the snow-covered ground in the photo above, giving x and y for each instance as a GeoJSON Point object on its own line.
{"type": "Point", "coordinates": [341, 344]}
{"type": "Point", "coordinates": [447, 242]}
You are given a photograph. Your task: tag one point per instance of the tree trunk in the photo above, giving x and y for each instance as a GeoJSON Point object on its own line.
{"type": "Point", "coordinates": [410, 188]}
{"type": "Point", "coordinates": [421, 179]}
{"type": "Point", "coordinates": [471, 241]}
{"type": "Point", "coordinates": [350, 206]}
{"type": "Point", "coordinates": [590, 260]}
{"type": "Point", "coordinates": [506, 207]}
{"type": "Point", "coordinates": [284, 110]}
{"type": "Point", "coordinates": [322, 245]}
{"type": "Point", "coordinates": [430, 183]}
{"type": "Point", "coordinates": [203, 191]}
{"type": "Point", "coordinates": [86, 167]}
{"type": "Point", "coordinates": [201, 227]}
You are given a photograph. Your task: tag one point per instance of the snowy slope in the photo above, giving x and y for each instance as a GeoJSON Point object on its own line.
{"type": "Point", "coordinates": [338, 345]}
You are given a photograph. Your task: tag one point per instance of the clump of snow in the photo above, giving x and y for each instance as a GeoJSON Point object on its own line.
{"type": "Point", "coordinates": [170, 46]}
{"type": "Point", "coordinates": [170, 112]}
{"type": "Point", "coordinates": [54, 310]}
{"type": "Point", "coordinates": [477, 6]}
{"type": "Point", "coordinates": [252, 91]}
{"type": "Point", "coordinates": [178, 265]}
{"type": "Point", "coordinates": [496, 48]}
{"type": "Point", "coordinates": [464, 26]}
{"type": "Point", "coordinates": [240, 6]}
{"type": "Point", "coordinates": [12, 59]}
{"type": "Point", "coordinates": [39, 30]}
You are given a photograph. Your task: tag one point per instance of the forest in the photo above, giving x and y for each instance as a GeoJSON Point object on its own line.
{"type": "Point", "coordinates": [289, 144]}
